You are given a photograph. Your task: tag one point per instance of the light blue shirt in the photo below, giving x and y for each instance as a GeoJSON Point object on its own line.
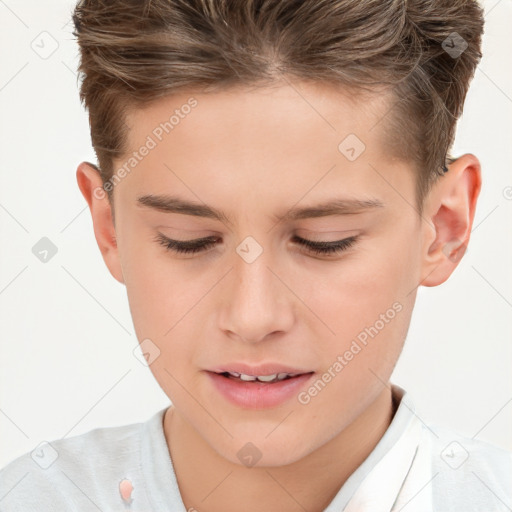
{"type": "Point", "coordinates": [414, 467]}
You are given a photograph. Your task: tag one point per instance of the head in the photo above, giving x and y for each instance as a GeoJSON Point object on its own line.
{"type": "Point", "coordinates": [260, 113]}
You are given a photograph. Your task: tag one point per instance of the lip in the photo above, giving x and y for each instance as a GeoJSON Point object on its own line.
{"type": "Point", "coordinates": [261, 369]}
{"type": "Point", "coordinates": [255, 394]}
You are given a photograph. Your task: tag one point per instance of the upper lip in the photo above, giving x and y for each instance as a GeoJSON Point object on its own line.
{"type": "Point", "coordinates": [260, 369]}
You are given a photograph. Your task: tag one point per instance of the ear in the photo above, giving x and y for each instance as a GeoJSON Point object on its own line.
{"type": "Point", "coordinates": [451, 209]}
{"type": "Point", "coordinates": [90, 184]}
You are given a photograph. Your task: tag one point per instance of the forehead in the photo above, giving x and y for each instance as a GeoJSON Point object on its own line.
{"type": "Point", "coordinates": [294, 110]}
{"type": "Point", "coordinates": [294, 142]}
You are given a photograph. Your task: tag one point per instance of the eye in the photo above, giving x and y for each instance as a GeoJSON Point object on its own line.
{"type": "Point", "coordinates": [327, 248]}
{"type": "Point", "coordinates": [188, 246]}
{"type": "Point", "coordinates": [203, 244]}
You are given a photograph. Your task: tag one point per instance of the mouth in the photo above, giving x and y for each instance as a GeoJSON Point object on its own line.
{"type": "Point", "coordinates": [267, 379]}
{"type": "Point", "coordinates": [259, 387]}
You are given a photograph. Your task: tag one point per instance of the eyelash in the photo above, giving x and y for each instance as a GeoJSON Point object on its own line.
{"type": "Point", "coordinates": [202, 244]}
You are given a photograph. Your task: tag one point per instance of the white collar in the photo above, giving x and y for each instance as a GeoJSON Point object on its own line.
{"type": "Point", "coordinates": [398, 469]}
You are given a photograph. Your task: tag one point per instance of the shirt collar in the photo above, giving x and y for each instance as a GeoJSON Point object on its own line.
{"type": "Point", "coordinates": [385, 477]}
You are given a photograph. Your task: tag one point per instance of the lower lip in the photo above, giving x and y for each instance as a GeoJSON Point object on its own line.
{"type": "Point", "coordinates": [258, 395]}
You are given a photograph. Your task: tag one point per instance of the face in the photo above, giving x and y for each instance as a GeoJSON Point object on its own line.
{"type": "Point", "coordinates": [276, 283]}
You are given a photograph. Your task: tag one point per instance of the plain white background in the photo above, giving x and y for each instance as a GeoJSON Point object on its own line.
{"type": "Point", "coordinates": [67, 363]}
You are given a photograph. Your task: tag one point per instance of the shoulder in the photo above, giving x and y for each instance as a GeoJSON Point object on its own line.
{"type": "Point", "coordinates": [60, 474]}
{"type": "Point", "coordinates": [469, 471]}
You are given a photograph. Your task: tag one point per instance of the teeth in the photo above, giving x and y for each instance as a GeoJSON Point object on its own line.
{"type": "Point", "coordinates": [247, 377]}
{"type": "Point", "coordinates": [262, 378]}
{"type": "Point", "coordinates": [267, 378]}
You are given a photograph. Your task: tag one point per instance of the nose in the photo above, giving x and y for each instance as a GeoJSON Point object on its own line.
{"type": "Point", "coordinates": [256, 302]}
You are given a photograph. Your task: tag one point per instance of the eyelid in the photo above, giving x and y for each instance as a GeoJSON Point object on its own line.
{"type": "Point", "coordinates": [328, 248]}
{"type": "Point", "coordinates": [185, 247]}
{"type": "Point", "coordinates": [201, 245]}
{"type": "Point", "coordinates": [325, 236]}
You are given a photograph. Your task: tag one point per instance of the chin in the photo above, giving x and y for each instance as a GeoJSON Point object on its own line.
{"type": "Point", "coordinates": [261, 451]}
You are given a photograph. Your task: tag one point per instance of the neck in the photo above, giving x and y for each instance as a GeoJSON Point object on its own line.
{"type": "Point", "coordinates": [308, 484]}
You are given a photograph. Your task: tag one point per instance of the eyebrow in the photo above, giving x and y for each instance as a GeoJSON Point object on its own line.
{"type": "Point", "coordinates": [336, 206]}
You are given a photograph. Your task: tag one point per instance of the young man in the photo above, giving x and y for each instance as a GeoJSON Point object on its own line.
{"type": "Point", "coordinates": [272, 188]}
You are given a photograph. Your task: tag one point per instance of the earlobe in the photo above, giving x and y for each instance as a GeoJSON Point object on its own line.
{"type": "Point", "coordinates": [451, 209]}
{"type": "Point", "coordinates": [90, 184]}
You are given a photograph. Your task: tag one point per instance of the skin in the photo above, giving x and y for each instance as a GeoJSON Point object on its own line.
{"type": "Point", "coordinates": [255, 154]}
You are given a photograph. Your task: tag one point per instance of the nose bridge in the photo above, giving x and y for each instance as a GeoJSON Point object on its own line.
{"type": "Point", "coordinates": [257, 303]}
{"type": "Point", "coordinates": [254, 282]}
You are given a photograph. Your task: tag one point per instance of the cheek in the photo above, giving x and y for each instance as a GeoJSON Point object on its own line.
{"type": "Point", "coordinates": [367, 303]}
{"type": "Point", "coordinates": [165, 309]}
{"type": "Point", "coordinates": [360, 289]}
{"type": "Point", "coordinates": [370, 325]}
{"type": "Point", "coordinates": [163, 301]}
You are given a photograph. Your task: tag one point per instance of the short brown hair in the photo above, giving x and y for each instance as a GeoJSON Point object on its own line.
{"type": "Point", "coordinates": [133, 52]}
